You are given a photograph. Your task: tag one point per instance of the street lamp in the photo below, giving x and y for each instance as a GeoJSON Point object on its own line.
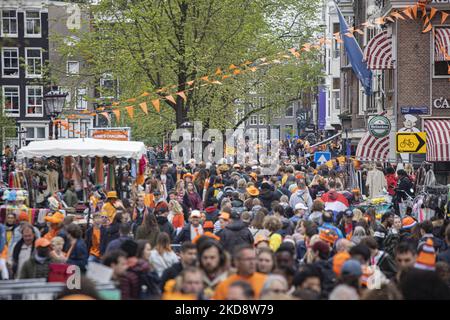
{"type": "Point", "coordinates": [54, 102]}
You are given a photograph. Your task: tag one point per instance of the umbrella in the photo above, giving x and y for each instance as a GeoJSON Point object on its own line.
{"type": "Point", "coordinates": [335, 201]}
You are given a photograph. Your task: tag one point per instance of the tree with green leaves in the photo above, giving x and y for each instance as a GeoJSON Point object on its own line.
{"type": "Point", "coordinates": [159, 46]}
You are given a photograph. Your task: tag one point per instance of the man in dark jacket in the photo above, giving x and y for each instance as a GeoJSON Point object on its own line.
{"type": "Point", "coordinates": [266, 195]}
{"type": "Point", "coordinates": [78, 251]}
{"type": "Point", "coordinates": [380, 258]}
{"type": "Point", "coordinates": [426, 230]}
{"type": "Point", "coordinates": [321, 253]}
{"type": "Point", "coordinates": [163, 222]}
{"type": "Point", "coordinates": [124, 231]}
{"type": "Point", "coordinates": [188, 258]}
{"type": "Point", "coordinates": [192, 229]}
{"type": "Point", "coordinates": [381, 231]}
{"type": "Point", "coordinates": [235, 234]}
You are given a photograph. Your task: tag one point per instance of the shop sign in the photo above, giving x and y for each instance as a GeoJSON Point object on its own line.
{"type": "Point", "coordinates": [414, 110]}
{"type": "Point", "coordinates": [441, 103]}
{"type": "Point", "coordinates": [379, 126]}
{"type": "Point", "coordinates": [119, 134]}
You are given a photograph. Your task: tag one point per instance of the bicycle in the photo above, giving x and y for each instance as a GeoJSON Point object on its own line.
{"type": "Point", "coordinates": [406, 143]}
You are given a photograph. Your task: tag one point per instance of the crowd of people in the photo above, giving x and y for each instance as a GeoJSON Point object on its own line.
{"type": "Point", "coordinates": [227, 232]}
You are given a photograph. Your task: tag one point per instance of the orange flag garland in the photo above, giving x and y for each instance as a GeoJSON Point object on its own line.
{"type": "Point", "coordinates": [433, 13]}
{"type": "Point", "coordinates": [117, 114]}
{"type": "Point", "coordinates": [156, 104]}
{"type": "Point", "coordinates": [143, 106]}
{"type": "Point", "coordinates": [130, 110]}
{"type": "Point", "coordinates": [427, 29]}
{"type": "Point", "coordinates": [182, 95]}
{"type": "Point", "coordinates": [407, 12]}
{"type": "Point", "coordinates": [444, 17]}
{"type": "Point", "coordinates": [171, 99]}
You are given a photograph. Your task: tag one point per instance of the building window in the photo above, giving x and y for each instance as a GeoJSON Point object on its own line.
{"type": "Point", "coordinates": [336, 45]}
{"type": "Point", "coordinates": [107, 87]}
{"type": "Point", "coordinates": [11, 100]}
{"type": "Point", "coordinates": [9, 23]}
{"type": "Point", "coordinates": [10, 62]}
{"type": "Point", "coordinates": [81, 100]}
{"type": "Point", "coordinates": [441, 52]}
{"type": "Point", "coordinates": [34, 101]}
{"type": "Point", "coordinates": [367, 103]}
{"type": "Point", "coordinates": [253, 120]}
{"type": "Point", "coordinates": [35, 133]}
{"type": "Point", "coordinates": [33, 57]}
{"type": "Point", "coordinates": [262, 120]}
{"type": "Point", "coordinates": [32, 24]}
{"type": "Point", "coordinates": [337, 93]}
{"type": "Point", "coordinates": [290, 111]}
{"type": "Point", "coordinates": [73, 67]}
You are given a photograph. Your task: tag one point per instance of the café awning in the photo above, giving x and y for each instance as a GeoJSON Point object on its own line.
{"type": "Point", "coordinates": [442, 44]}
{"type": "Point", "coordinates": [438, 139]}
{"type": "Point", "coordinates": [373, 149]}
{"type": "Point", "coordinates": [378, 52]}
{"type": "Point", "coordinates": [84, 147]}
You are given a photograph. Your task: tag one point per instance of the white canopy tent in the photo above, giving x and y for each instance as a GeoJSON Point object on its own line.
{"type": "Point", "coordinates": [84, 147]}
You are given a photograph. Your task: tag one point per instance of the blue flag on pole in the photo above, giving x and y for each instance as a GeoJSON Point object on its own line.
{"type": "Point", "coordinates": [355, 56]}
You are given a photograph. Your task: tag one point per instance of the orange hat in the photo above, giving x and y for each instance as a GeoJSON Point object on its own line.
{"type": "Point", "coordinates": [253, 175]}
{"type": "Point", "coordinates": [225, 216]}
{"type": "Point", "coordinates": [253, 191]}
{"type": "Point", "coordinates": [299, 176]}
{"type": "Point", "coordinates": [208, 225]}
{"type": "Point", "coordinates": [57, 217]}
{"type": "Point", "coordinates": [339, 260]}
{"type": "Point", "coordinates": [327, 236]}
{"type": "Point", "coordinates": [41, 243]}
{"type": "Point", "coordinates": [426, 259]}
{"type": "Point", "coordinates": [260, 238]}
{"type": "Point", "coordinates": [206, 234]}
{"type": "Point", "coordinates": [408, 222]}
{"type": "Point", "coordinates": [188, 175]}
{"type": "Point", "coordinates": [23, 216]}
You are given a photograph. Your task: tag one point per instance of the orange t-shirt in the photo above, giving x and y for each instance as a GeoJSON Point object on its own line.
{"type": "Point", "coordinates": [95, 247]}
{"type": "Point", "coordinates": [51, 234]}
{"type": "Point", "coordinates": [178, 220]}
{"type": "Point", "coordinates": [149, 200]}
{"type": "Point", "coordinates": [256, 281]}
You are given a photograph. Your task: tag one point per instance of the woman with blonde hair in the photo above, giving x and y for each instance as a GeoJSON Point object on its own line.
{"type": "Point", "coordinates": [273, 224]}
{"type": "Point", "coordinates": [176, 215]}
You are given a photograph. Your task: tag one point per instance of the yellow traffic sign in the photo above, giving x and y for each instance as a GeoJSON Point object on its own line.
{"type": "Point", "coordinates": [411, 142]}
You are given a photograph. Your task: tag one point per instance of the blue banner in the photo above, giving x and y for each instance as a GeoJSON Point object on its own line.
{"type": "Point", "coordinates": [355, 56]}
{"type": "Point", "coordinates": [322, 109]}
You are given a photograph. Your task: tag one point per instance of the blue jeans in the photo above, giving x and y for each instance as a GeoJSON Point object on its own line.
{"type": "Point", "coordinates": [94, 259]}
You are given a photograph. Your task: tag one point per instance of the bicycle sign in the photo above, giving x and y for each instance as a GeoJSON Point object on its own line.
{"type": "Point", "coordinates": [414, 142]}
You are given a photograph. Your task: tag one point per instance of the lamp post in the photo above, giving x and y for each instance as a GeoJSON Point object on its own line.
{"type": "Point", "coordinates": [54, 102]}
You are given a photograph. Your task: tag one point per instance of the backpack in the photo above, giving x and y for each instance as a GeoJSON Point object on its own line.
{"type": "Point", "coordinates": [149, 284]}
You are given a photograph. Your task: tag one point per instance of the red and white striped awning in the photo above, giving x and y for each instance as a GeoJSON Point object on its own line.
{"type": "Point", "coordinates": [378, 52]}
{"type": "Point", "coordinates": [438, 139]}
{"type": "Point", "coordinates": [442, 44]}
{"type": "Point", "coordinates": [373, 149]}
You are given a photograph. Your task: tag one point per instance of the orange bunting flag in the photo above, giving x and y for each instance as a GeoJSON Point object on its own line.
{"type": "Point", "coordinates": [131, 100]}
{"type": "Point", "coordinates": [189, 83]}
{"type": "Point", "coordinates": [379, 21]}
{"type": "Point", "coordinates": [155, 104]}
{"type": "Point", "coordinates": [218, 72]}
{"type": "Point", "coordinates": [247, 62]}
{"type": "Point", "coordinates": [307, 47]}
{"type": "Point", "coordinates": [171, 99]}
{"type": "Point", "coordinates": [292, 50]}
{"type": "Point", "coordinates": [253, 69]}
{"type": "Point", "coordinates": [225, 76]}
{"type": "Point", "coordinates": [182, 95]}
{"type": "Point", "coordinates": [117, 114]}
{"type": "Point", "coordinates": [115, 103]}
{"type": "Point", "coordinates": [407, 12]}
{"type": "Point", "coordinates": [414, 11]}
{"type": "Point", "coordinates": [427, 20]}
{"type": "Point", "coordinates": [236, 71]}
{"type": "Point", "coordinates": [93, 114]}
{"type": "Point", "coordinates": [350, 35]}
{"type": "Point", "coordinates": [232, 66]}
{"type": "Point", "coordinates": [143, 106]}
{"type": "Point", "coordinates": [161, 90]}
{"type": "Point", "coordinates": [205, 78]}
{"type": "Point", "coordinates": [427, 29]}
{"type": "Point", "coordinates": [444, 17]}
{"type": "Point", "coordinates": [130, 110]}
{"type": "Point", "coordinates": [145, 94]}
{"type": "Point", "coordinates": [390, 19]}
{"type": "Point", "coordinates": [359, 31]}
{"type": "Point", "coordinates": [433, 13]}
{"type": "Point", "coordinates": [398, 15]}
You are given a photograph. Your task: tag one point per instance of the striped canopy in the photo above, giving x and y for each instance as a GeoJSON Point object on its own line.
{"type": "Point", "coordinates": [378, 52]}
{"type": "Point", "coordinates": [442, 44]}
{"type": "Point", "coordinates": [373, 149]}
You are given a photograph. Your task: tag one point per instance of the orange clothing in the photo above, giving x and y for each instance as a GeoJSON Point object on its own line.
{"type": "Point", "coordinates": [256, 281]}
{"type": "Point", "coordinates": [95, 247]}
{"type": "Point", "coordinates": [178, 220]}
{"type": "Point", "coordinates": [109, 210]}
{"type": "Point", "coordinates": [149, 200]}
{"type": "Point", "coordinates": [4, 253]}
{"type": "Point", "coordinates": [51, 234]}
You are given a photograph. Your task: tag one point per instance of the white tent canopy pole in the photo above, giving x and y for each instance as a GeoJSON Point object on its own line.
{"type": "Point", "coordinates": [326, 140]}
{"type": "Point", "coordinates": [84, 147]}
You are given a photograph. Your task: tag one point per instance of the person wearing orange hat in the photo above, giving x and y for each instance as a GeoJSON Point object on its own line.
{"type": "Point", "coordinates": [38, 264]}
{"type": "Point", "coordinates": [261, 241]}
{"type": "Point", "coordinates": [253, 191]}
{"type": "Point", "coordinates": [56, 225]}
{"type": "Point", "coordinates": [110, 208]}
{"type": "Point", "coordinates": [426, 257]}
